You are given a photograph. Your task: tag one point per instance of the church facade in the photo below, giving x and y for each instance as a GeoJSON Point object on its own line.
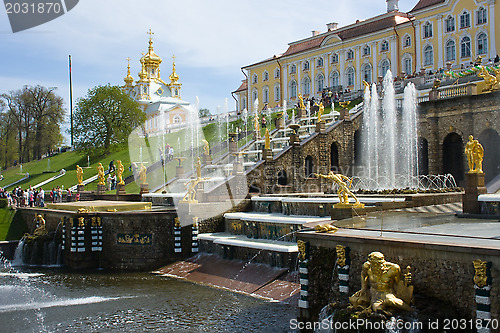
{"type": "Point", "coordinates": [434, 35]}
{"type": "Point", "coordinates": [160, 101]}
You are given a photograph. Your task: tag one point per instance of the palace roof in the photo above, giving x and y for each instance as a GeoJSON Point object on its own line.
{"type": "Point", "coordinates": [426, 3]}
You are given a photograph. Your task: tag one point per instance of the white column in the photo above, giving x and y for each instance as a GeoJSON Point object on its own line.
{"type": "Point", "coordinates": [492, 35]}
{"type": "Point", "coordinates": [418, 47]}
{"type": "Point", "coordinates": [342, 68]}
{"type": "Point", "coordinates": [284, 87]}
{"type": "Point", "coordinates": [394, 56]}
{"type": "Point", "coordinates": [440, 52]}
{"type": "Point", "coordinates": [327, 69]}
{"type": "Point", "coordinates": [374, 47]}
{"type": "Point", "coordinates": [312, 64]}
{"type": "Point", "coordinates": [357, 84]}
{"type": "Point", "coordinates": [299, 83]}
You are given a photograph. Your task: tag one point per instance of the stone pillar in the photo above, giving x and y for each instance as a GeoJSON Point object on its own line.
{"type": "Point", "coordinates": [207, 159]}
{"type": "Point", "coordinates": [473, 188]}
{"type": "Point", "coordinates": [301, 113]}
{"type": "Point", "coordinates": [179, 171]}
{"type": "Point", "coordinates": [101, 189]}
{"type": "Point", "coordinates": [267, 154]}
{"type": "Point", "coordinates": [80, 188]}
{"type": "Point", "coordinates": [280, 123]}
{"type": "Point", "coordinates": [344, 114]}
{"type": "Point", "coordinates": [320, 127]}
{"type": "Point", "coordinates": [233, 142]}
{"type": "Point", "coordinates": [433, 95]}
{"type": "Point", "coordinates": [294, 136]}
{"type": "Point", "coordinates": [120, 189]}
{"type": "Point", "coordinates": [144, 188]}
{"type": "Point", "coordinates": [237, 167]}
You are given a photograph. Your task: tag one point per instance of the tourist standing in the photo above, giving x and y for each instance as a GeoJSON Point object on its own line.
{"type": "Point", "coordinates": [41, 194]}
{"type": "Point", "coordinates": [108, 182]}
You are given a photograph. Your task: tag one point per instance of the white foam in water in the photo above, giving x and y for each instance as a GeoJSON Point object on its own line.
{"type": "Point", "coordinates": [55, 303]}
{"type": "Point", "coordinates": [21, 275]}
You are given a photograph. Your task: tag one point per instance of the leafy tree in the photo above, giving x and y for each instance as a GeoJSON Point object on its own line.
{"type": "Point", "coordinates": [204, 113]}
{"type": "Point", "coordinates": [103, 120]}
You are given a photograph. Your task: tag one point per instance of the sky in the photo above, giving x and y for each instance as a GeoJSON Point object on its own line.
{"type": "Point", "coordinates": [211, 41]}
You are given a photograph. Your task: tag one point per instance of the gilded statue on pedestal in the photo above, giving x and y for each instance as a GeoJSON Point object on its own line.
{"type": "Point", "coordinates": [198, 168]}
{"type": "Point", "coordinates": [143, 174]}
{"type": "Point", "coordinates": [119, 172]}
{"type": "Point", "coordinates": [256, 123]}
{"type": "Point", "coordinates": [475, 153]}
{"type": "Point", "coordinates": [267, 143]}
{"type": "Point", "coordinates": [40, 230]}
{"type": "Point", "coordinates": [79, 174]}
{"type": "Point", "coordinates": [343, 189]}
{"type": "Point", "coordinates": [191, 189]}
{"type": "Point", "coordinates": [301, 102]}
{"type": "Point", "coordinates": [381, 287]}
{"type": "Point", "coordinates": [320, 111]}
{"type": "Point", "coordinates": [100, 175]}
{"type": "Point", "coordinates": [490, 81]}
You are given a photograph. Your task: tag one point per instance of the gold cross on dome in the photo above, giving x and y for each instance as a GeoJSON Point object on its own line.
{"type": "Point", "coordinates": [128, 60]}
{"type": "Point", "coordinates": [150, 33]}
{"type": "Point", "coordinates": [173, 57]}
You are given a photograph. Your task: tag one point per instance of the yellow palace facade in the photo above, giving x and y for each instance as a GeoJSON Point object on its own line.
{"type": "Point", "coordinates": [435, 34]}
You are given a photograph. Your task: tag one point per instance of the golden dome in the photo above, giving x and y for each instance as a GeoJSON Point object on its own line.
{"type": "Point", "coordinates": [151, 58]}
{"type": "Point", "coordinates": [128, 79]}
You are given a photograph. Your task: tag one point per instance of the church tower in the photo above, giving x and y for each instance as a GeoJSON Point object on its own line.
{"type": "Point", "coordinates": [174, 85]}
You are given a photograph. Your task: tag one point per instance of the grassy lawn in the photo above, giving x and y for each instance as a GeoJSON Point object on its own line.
{"type": "Point", "coordinates": [12, 227]}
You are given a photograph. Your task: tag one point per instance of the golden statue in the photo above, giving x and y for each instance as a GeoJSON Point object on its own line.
{"type": "Point", "coordinates": [206, 148]}
{"type": "Point", "coordinates": [100, 175]}
{"type": "Point", "coordinates": [475, 153]}
{"type": "Point", "coordinates": [301, 102]}
{"type": "Point", "coordinates": [341, 255]}
{"type": "Point", "coordinates": [119, 172]}
{"type": "Point", "coordinates": [177, 222]}
{"type": "Point", "coordinates": [367, 85]}
{"type": "Point", "coordinates": [191, 189]}
{"type": "Point", "coordinates": [256, 123]}
{"type": "Point", "coordinates": [79, 174]}
{"type": "Point", "coordinates": [267, 144]}
{"type": "Point", "coordinates": [195, 221]}
{"type": "Point", "coordinates": [328, 228]}
{"type": "Point", "coordinates": [345, 104]}
{"type": "Point", "coordinates": [320, 111]}
{"type": "Point", "coordinates": [143, 174]}
{"type": "Point", "coordinates": [490, 81]}
{"type": "Point", "coordinates": [40, 230]}
{"type": "Point", "coordinates": [481, 276]}
{"type": "Point", "coordinates": [380, 283]}
{"type": "Point", "coordinates": [198, 168]}
{"type": "Point", "coordinates": [343, 189]}
{"type": "Point", "coordinates": [436, 84]}
{"type": "Point", "coordinates": [301, 245]}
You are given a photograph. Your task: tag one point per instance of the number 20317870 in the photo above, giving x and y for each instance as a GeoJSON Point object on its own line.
{"type": "Point", "coordinates": [33, 8]}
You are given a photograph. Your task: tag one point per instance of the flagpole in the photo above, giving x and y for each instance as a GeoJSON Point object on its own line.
{"type": "Point", "coordinates": [71, 102]}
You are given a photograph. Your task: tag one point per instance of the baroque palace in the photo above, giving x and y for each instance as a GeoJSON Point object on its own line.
{"type": "Point", "coordinates": [160, 101]}
{"type": "Point", "coordinates": [434, 35]}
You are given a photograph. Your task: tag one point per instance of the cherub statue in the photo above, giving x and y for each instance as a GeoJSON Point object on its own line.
{"type": "Point", "coordinates": [100, 175]}
{"type": "Point", "coordinates": [119, 172]}
{"type": "Point", "coordinates": [79, 174]}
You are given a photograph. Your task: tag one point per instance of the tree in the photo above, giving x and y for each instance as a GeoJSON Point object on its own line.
{"type": "Point", "coordinates": [103, 120]}
{"type": "Point", "coordinates": [34, 116]}
{"type": "Point", "coordinates": [204, 113]}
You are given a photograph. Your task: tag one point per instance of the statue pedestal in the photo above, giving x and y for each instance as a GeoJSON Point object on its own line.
{"type": "Point", "coordinates": [267, 154]}
{"type": "Point", "coordinates": [344, 114]}
{"type": "Point", "coordinates": [233, 142]}
{"type": "Point", "coordinates": [280, 123]}
{"type": "Point", "coordinates": [101, 189]}
{"type": "Point", "coordinates": [80, 188]}
{"type": "Point", "coordinates": [294, 139]}
{"type": "Point", "coordinates": [474, 187]}
{"type": "Point", "coordinates": [342, 211]}
{"type": "Point", "coordinates": [207, 159]}
{"type": "Point", "coordinates": [120, 189]}
{"type": "Point", "coordinates": [179, 171]}
{"type": "Point", "coordinates": [320, 127]}
{"type": "Point", "coordinates": [237, 168]}
{"type": "Point", "coordinates": [144, 188]}
{"type": "Point", "coordinates": [301, 113]}
{"type": "Point", "coordinates": [256, 135]}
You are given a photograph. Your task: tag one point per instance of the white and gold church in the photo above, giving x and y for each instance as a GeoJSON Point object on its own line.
{"type": "Point", "coordinates": [160, 101]}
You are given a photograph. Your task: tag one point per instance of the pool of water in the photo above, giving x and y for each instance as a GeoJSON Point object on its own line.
{"type": "Point", "coordinates": [53, 300]}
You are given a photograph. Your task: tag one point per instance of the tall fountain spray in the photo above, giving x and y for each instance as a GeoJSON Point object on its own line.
{"type": "Point", "coordinates": [389, 141]}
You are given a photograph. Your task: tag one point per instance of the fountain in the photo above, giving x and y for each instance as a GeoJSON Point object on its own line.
{"type": "Point", "coordinates": [389, 140]}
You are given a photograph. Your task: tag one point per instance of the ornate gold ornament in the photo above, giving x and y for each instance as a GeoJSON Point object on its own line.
{"type": "Point", "coordinates": [301, 245]}
{"type": "Point", "coordinates": [480, 276]}
{"type": "Point", "coordinates": [81, 222]}
{"type": "Point", "coordinates": [341, 255]}
{"type": "Point", "coordinates": [490, 81]}
{"type": "Point", "coordinates": [195, 221]}
{"type": "Point", "coordinates": [82, 211]}
{"type": "Point", "coordinates": [328, 228]}
{"type": "Point", "coordinates": [177, 222]}
{"type": "Point", "coordinates": [345, 104]}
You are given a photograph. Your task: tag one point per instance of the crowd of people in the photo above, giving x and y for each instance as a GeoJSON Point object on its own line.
{"type": "Point", "coordinates": [35, 197]}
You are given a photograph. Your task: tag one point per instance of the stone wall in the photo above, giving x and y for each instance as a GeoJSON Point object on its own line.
{"type": "Point", "coordinates": [440, 274]}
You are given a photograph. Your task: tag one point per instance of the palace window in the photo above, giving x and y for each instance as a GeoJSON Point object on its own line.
{"type": "Point", "coordinates": [366, 50]}
{"type": "Point", "coordinates": [482, 15]}
{"type": "Point", "coordinates": [450, 50]}
{"type": "Point", "coordinates": [265, 94]}
{"type": "Point", "coordinates": [350, 55]}
{"type": "Point", "coordinates": [293, 89]}
{"type": "Point", "coordinates": [407, 68]}
{"type": "Point", "coordinates": [177, 119]}
{"type": "Point", "coordinates": [255, 95]}
{"type": "Point", "coordinates": [335, 58]}
{"type": "Point", "coordinates": [449, 24]}
{"type": "Point", "coordinates": [407, 41]}
{"type": "Point", "coordinates": [367, 72]}
{"type": "Point", "coordinates": [307, 86]}
{"type": "Point", "coordinates": [427, 30]}
{"type": "Point", "coordinates": [465, 51]}
{"type": "Point", "coordinates": [350, 76]}
{"type": "Point", "coordinates": [319, 62]}
{"type": "Point", "coordinates": [254, 78]}
{"type": "Point", "coordinates": [277, 73]}
{"type": "Point", "coordinates": [384, 46]}
{"type": "Point", "coordinates": [464, 20]}
{"type": "Point", "coordinates": [277, 92]}
{"type": "Point", "coordinates": [334, 79]}
{"type": "Point", "coordinates": [320, 82]}
{"type": "Point", "coordinates": [482, 43]}
{"type": "Point", "coordinates": [384, 67]}
{"type": "Point", "coordinates": [428, 55]}
{"type": "Point", "coordinates": [306, 65]}
{"type": "Point", "coordinates": [265, 76]}
{"type": "Point", "coordinates": [293, 69]}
